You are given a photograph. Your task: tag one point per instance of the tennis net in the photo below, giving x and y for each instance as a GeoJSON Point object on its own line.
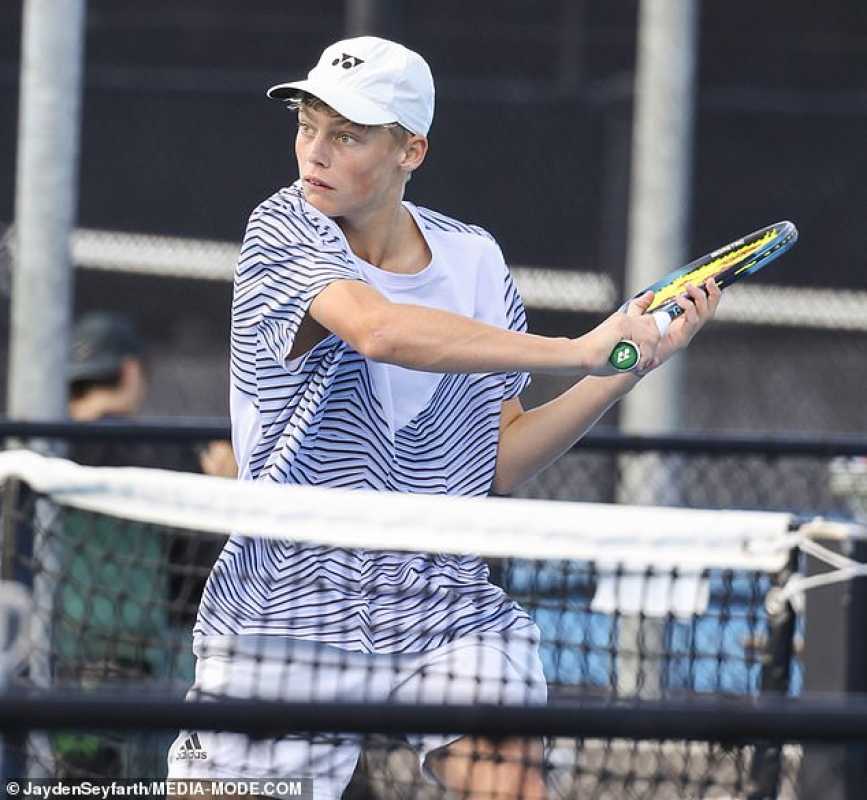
{"type": "Point", "coordinates": [543, 629]}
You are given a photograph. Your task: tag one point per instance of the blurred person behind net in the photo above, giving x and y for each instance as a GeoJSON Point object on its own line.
{"type": "Point", "coordinates": [108, 381]}
{"type": "Point", "coordinates": [119, 595]}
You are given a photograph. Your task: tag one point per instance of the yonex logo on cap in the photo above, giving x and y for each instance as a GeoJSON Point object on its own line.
{"type": "Point", "coordinates": [346, 61]}
{"type": "Point", "coordinates": [369, 81]}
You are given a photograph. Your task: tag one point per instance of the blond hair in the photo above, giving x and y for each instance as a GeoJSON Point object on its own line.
{"type": "Point", "coordinates": [307, 100]}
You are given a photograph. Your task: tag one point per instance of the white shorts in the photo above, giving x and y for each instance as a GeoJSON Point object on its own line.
{"type": "Point", "coordinates": [486, 668]}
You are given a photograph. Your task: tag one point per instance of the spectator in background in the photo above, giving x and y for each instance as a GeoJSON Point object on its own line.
{"type": "Point", "coordinates": [100, 634]}
{"type": "Point", "coordinates": [107, 374]}
{"type": "Point", "coordinates": [119, 593]}
{"type": "Point", "coordinates": [108, 380]}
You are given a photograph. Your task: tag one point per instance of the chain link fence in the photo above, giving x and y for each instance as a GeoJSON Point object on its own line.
{"type": "Point", "coordinates": [777, 359]}
{"type": "Point", "coordinates": [532, 141]}
{"type": "Point", "coordinates": [801, 484]}
{"type": "Point", "coordinates": [160, 581]}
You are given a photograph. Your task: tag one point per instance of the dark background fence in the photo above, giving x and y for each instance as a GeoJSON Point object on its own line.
{"type": "Point", "coordinates": [532, 140]}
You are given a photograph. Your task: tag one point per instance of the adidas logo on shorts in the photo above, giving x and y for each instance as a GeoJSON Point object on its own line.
{"type": "Point", "coordinates": [191, 749]}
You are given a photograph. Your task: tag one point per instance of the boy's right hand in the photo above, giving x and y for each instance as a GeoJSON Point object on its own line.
{"type": "Point", "coordinates": [635, 325]}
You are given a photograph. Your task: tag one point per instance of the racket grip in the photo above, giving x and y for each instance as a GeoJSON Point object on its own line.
{"type": "Point", "coordinates": [626, 354]}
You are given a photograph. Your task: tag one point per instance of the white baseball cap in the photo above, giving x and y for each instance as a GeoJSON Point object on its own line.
{"type": "Point", "coordinates": [370, 81]}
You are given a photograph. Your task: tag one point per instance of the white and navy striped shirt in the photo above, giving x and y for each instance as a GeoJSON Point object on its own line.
{"type": "Point", "coordinates": [335, 418]}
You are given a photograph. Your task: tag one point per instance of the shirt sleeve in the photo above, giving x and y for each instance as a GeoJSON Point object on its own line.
{"type": "Point", "coordinates": [283, 266]}
{"type": "Point", "coordinates": [516, 320]}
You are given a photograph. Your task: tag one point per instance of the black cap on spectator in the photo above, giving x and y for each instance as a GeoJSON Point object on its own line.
{"type": "Point", "coordinates": [100, 342]}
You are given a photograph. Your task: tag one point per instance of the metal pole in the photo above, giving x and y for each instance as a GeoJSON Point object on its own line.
{"type": "Point", "coordinates": [661, 174]}
{"type": "Point", "coordinates": [835, 663]}
{"type": "Point", "coordinates": [658, 229]}
{"type": "Point", "coordinates": [373, 18]}
{"type": "Point", "coordinates": [777, 657]}
{"type": "Point", "coordinates": [45, 206]}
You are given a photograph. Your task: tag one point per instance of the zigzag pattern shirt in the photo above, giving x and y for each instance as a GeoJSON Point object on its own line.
{"type": "Point", "coordinates": [335, 418]}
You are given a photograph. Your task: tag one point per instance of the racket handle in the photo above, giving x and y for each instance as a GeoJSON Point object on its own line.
{"type": "Point", "coordinates": [626, 354]}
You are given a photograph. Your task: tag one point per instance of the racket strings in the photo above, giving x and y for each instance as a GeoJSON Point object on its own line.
{"type": "Point", "coordinates": [782, 243]}
{"type": "Point", "coordinates": [763, 247]}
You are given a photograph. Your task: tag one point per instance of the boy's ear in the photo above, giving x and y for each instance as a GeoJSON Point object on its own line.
{"type": "Point", "coordinates": [415, 150]}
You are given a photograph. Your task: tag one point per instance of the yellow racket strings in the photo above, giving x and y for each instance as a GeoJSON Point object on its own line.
{"type": "Point", "coordinates": [700, 274]}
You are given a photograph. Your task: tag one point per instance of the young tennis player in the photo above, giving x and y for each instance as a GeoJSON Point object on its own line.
{"type": "Point", "coordinates": [380, 345]}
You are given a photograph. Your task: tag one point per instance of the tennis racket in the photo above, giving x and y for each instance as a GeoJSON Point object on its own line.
{"type": "Point", "coordinates": [726, 265]}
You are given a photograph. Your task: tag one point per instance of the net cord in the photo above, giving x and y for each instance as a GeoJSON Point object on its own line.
{"type": "Point", "coordinates": [630, 537]}
{"type": "Point", "coordinates": [793, 591]}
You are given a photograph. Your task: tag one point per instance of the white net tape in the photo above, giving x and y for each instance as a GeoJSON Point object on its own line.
{"type": "Point", "coordinates": [634, 537]}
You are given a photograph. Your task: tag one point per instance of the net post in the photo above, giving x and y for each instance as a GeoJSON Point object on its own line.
{"type": "Point", "coordinates": [16, 538]}
{"type": "Point", "coordinates": [766, 767]}
{"type": "Point", "coordinates": [835, 661]}
{"type": "Point", "coordinates": [25, 522]}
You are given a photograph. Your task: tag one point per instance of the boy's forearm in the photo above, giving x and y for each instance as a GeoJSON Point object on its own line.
{"type": "Point", "coordinates": [538, 437]}
{"type": "Point", "coordinates": [428, 339]}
